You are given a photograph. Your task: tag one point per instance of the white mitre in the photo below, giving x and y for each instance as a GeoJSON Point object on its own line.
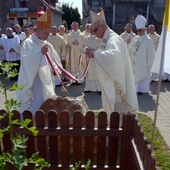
{"type": "Point", "coordinates": [97, 19]}
{"type": "Point", "coordinates": [140, 22]}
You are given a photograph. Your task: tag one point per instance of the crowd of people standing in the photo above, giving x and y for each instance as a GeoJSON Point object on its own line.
{"type": "Point", "coordinates": [108, 58]}
{"type": "Point", "coordinates": [69, 45]}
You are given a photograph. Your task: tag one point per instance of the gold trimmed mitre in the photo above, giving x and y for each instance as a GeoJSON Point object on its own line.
{"type": "Point", "coordinates": [97, 19]}
{"type": "Point", "coordinates": [44, 19]}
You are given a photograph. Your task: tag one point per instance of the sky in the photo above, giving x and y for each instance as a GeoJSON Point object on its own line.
{"type": "Point", "coordinates": [77, 3]}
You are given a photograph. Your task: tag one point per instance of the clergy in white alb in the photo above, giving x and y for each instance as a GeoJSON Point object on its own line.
{"type": "Point", "coordinates": [141, 53]}
{"type": "Point", "coordinates": [155, 39]}
{"type": "Point", "coordinates": [58, 44]}
{"type": "Point", "coordinates": [57, 41]}
{"type": "Point", "coordinates": [128, 34]}
{"type": "Point", "coordinates": [74, 39]}
{"type": "Point", "coordinates": [65, 57]}
{"type": "Point", "coordinates": [2, 52]}
{"type": "Point", "coordinates": [86, 32]}
{"type": "Point", "coordinates": [19, 33]}
{"type": "Point", "coordinates": [11, 45]}
{"type": "Point", "coordinates": [154, 36]}
{"type": "Point", "coordinates": [91, 81]}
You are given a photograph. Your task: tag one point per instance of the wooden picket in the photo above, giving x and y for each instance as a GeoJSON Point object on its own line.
{"type": "Point", "coordinates": [63, 143]}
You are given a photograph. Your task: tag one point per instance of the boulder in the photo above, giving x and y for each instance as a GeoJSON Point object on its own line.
{"type": "Point", "coordinates": [60, 104]}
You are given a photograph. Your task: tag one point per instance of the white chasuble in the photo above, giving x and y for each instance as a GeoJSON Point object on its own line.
{"type": "Point", "coordinates": [115, 74]}
{"type": "Point", "coordinates": [36, 74]}
{"type": "Point", "coordinates": [141, 53]}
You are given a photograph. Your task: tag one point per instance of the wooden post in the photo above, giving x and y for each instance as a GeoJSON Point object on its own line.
{"type": "Point", "coordinates": [128, 125]}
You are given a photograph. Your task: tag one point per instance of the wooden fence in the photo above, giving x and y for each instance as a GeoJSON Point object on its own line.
{"type": "Point", "coordinates": [63, 143]}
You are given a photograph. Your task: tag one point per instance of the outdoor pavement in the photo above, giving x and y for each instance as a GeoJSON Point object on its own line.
{"type": "Point", "coordinates": [146, 103]}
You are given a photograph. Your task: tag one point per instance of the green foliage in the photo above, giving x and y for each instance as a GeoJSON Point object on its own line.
{"type": "Point", "coordinates": [39, 162]}
{"type": "Point", "coordinates": [77, 165]}
{"type": "Point", "coordinates": [2, 131]}
{"type": "Point", "coordinates": [161, 150]}
{"type": "Point", "coordinates": [87, 166]}
{"type": "Point", "coordinates": [21, 161]}
{"type": "Point", "coordinates": [25, 124]}
{"type": "Point", "coordinates": [70, 14]}
{"type": "Point", "coordinates": [7, 70]}
{"type": "Point", "coordinates": [17, 157]}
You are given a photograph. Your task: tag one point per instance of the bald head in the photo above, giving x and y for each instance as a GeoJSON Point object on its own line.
{"type": "Point", "coordinates": [61, 29]}
{"type": "Point", "coordinates": [128, 27]}
{"type": "Point", "coordinates": [151, 29]}
{"type": "Point", "coordinates": [75, 26]}
{"type": "Point", "coordinates": [54, 30]}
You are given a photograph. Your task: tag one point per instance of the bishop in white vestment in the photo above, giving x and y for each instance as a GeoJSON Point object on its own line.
{"type": "Point", "coordinates": [113, 69]}
{"type": "Point", "coordinates": [142, 53]}
{"type": "Point", "coordinates": [36, 73]}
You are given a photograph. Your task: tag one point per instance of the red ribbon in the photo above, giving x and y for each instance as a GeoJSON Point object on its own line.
{"type": "Point", "coordinates": [65, 72]}
{"type": "Point", "coordinates": [56, 73]}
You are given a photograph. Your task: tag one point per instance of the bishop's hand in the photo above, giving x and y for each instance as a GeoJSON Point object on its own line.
{"type": "Point", "coordinates": [89, 52]}
{"type": "Point", "coordinates": [45, 49]}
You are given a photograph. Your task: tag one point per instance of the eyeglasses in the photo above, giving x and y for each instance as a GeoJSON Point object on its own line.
{"type": "Point", "coordinates": [95, 30]}
{"type": "Point", "coordinates": [139, 30]}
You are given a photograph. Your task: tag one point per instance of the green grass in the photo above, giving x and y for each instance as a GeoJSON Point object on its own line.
{"type": "Point", "coordinates": [160, 150]}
